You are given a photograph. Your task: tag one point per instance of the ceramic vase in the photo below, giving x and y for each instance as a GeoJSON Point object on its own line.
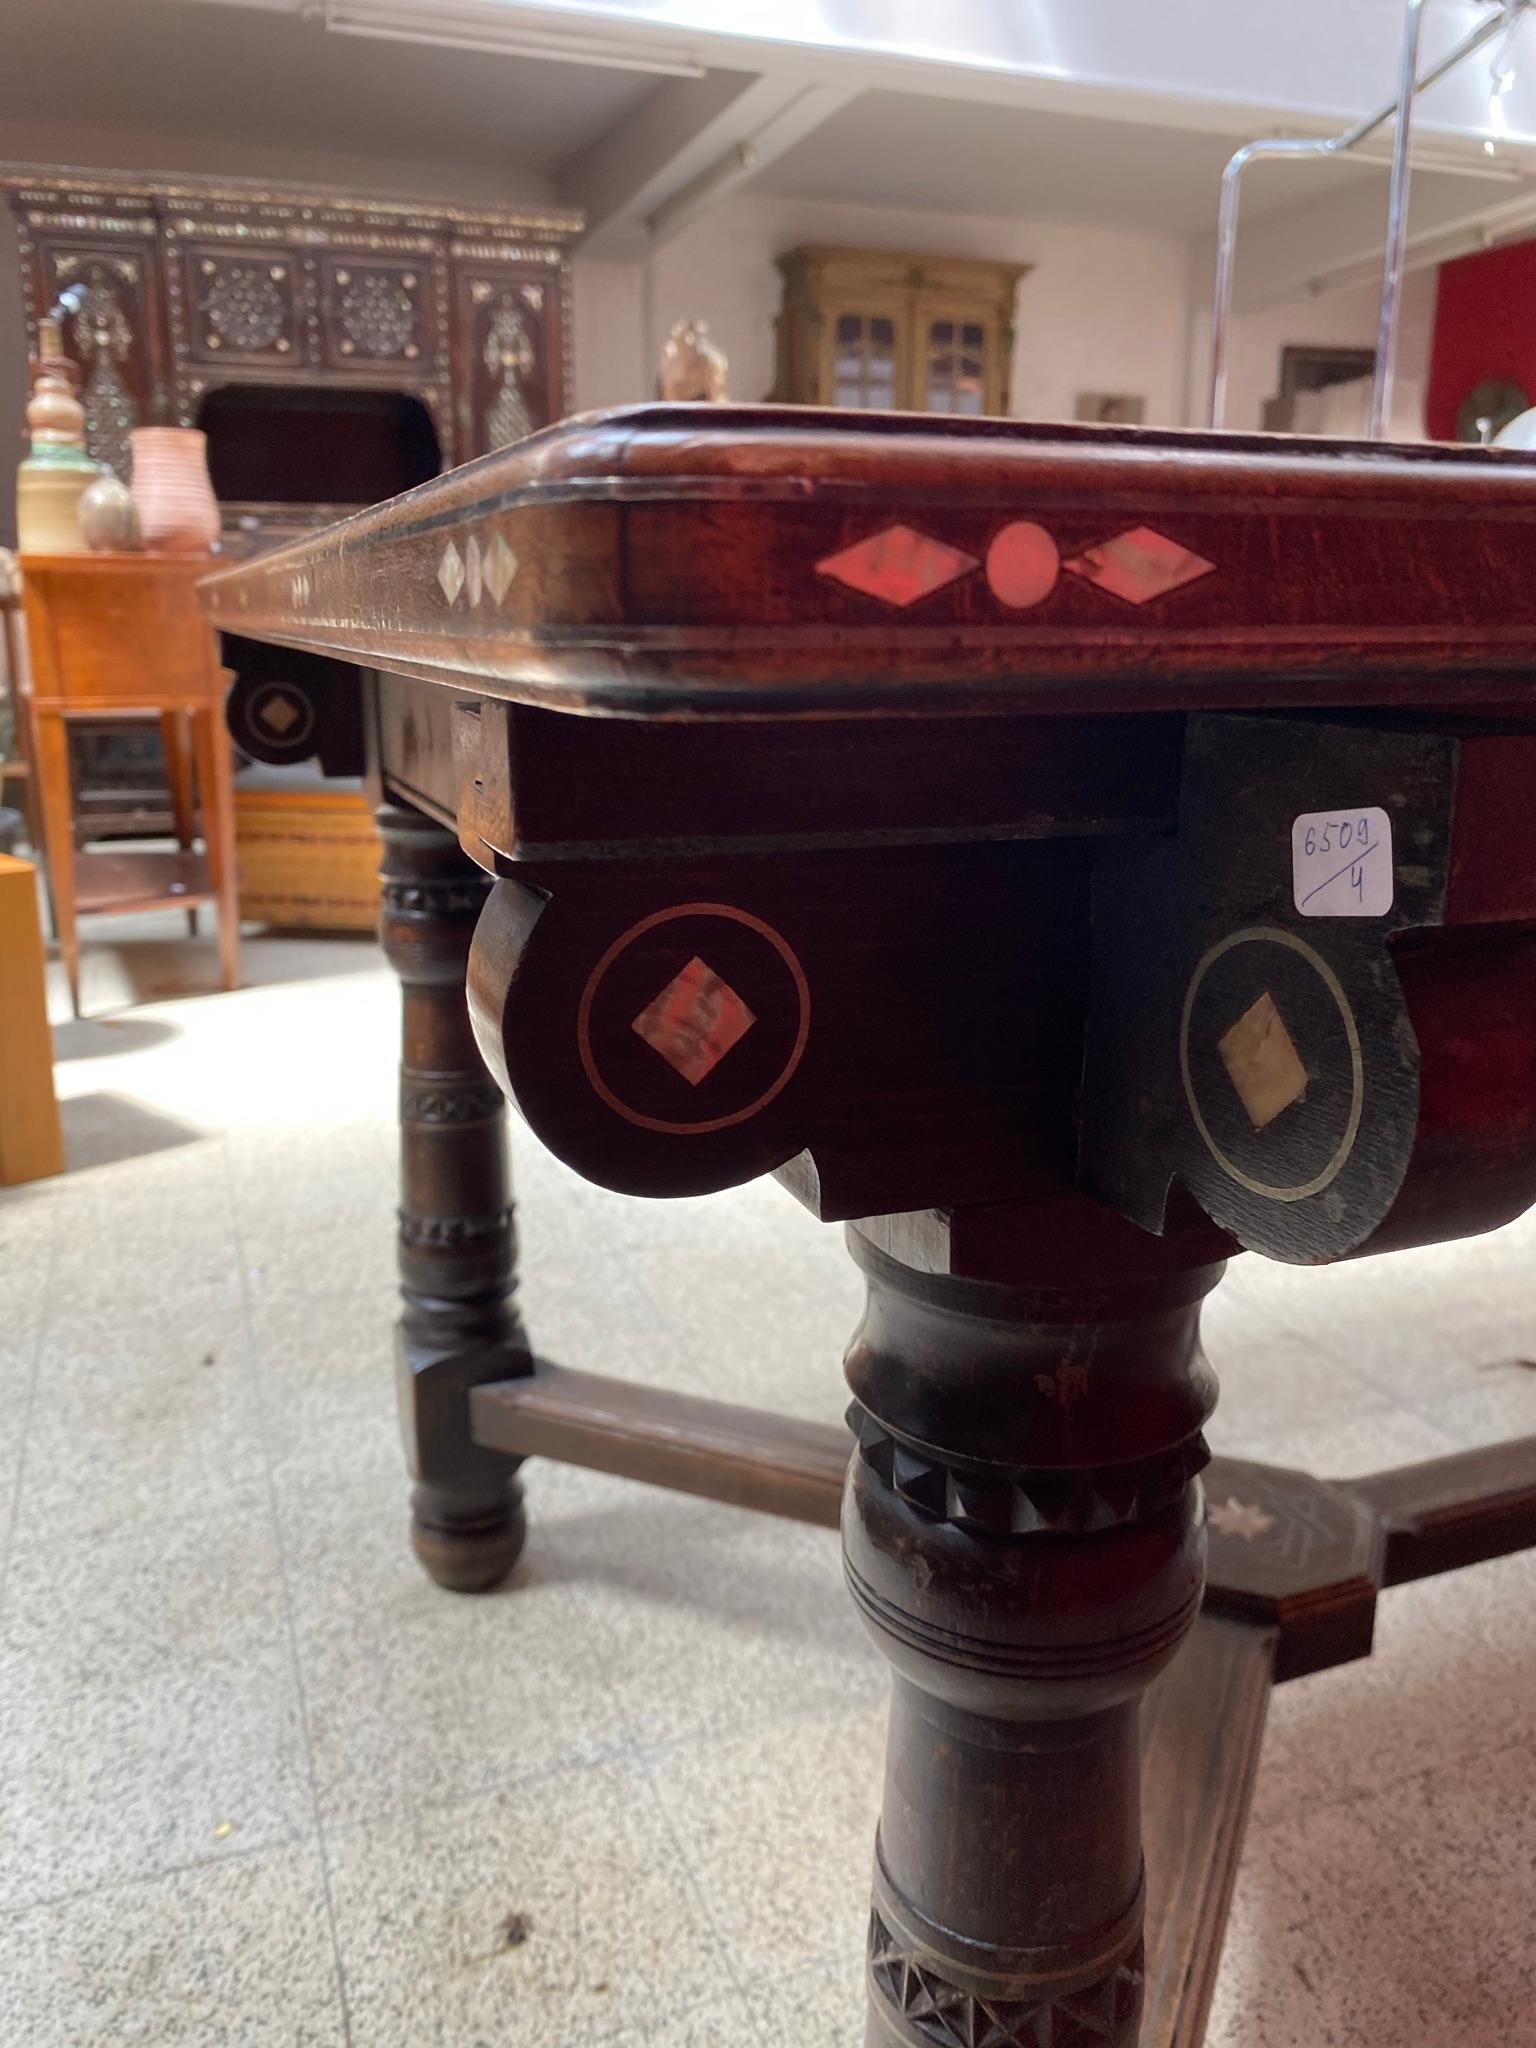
{"type": "Point", "coordinates": [177, 510]}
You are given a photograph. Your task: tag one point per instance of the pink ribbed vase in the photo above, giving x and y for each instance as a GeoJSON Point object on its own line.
{"type": "Point", "coordinates": [178, 513]}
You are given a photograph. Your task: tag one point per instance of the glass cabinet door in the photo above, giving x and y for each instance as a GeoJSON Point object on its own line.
{"type": "Point", "coordinates": [953, 362]}
{"type": "Point", "coordinates": [865, 357]}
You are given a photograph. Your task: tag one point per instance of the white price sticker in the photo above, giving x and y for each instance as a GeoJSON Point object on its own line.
{"type": "Point", "coordinates": [1341, 863]}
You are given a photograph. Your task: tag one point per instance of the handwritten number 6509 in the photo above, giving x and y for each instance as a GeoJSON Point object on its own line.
{"type": "Point", "coordinates": [1342, 833]}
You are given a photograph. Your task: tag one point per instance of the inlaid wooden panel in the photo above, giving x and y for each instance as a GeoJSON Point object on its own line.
{"type": "Point", "coordinates": [110, 289]}
{"type": "Point", "coordinates": [242, 305]}
{"type": "Point", "coordinates": [508, 336]}
{"type": "Point", "coordinates": [376, 312]}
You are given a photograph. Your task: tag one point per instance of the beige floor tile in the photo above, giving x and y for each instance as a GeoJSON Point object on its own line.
{"type": "Point", "coordinates": [714, 1619]}
{"type": "Point", "coordinates": [324, 1377]}
{"type": "Point", "coordinates": [417, 1696]}
{"type": "Point", "coordinates": [29, 1219]}
{"type": "Point", "coordinates": [1404, 1916]}
{"type": "Point", "coordinates": [584, 1875]}
{"type": "Point", "coordinates": [133, 1427]}
{"type": "Point", "coordinates": [125, 1780]}
{"type": "Point", "coordinates": [1325, 1947]}
{"type": "Point", "coordinates": [133, 1245]}
{"type": "Point", "coordinates": [201, 1588]}
{"type": "Point", "coordinates": [1449, 1657]}
{"type": "Point", "coordinates": [731, 2022]}
{"type": "Point", "coordinates": [1463, 1839]}
{"type": "Point", "coordinates": [169, 1320]}
{"type": "Point", "coordinates": [235, 1956]}
{"type": "Point", "coordinates": [779, 1827]}
{"type": "Point", "coordinates": [820, 2006]}
{"type": "Point", "coordinates": [301, 1260]}
{"type": "Point", "coordinates": [1279, 1368]}
{"type": "Point", "coordinates": [1372, 1438]}
{"type": "Point", "coordinates": [1498, 1407]}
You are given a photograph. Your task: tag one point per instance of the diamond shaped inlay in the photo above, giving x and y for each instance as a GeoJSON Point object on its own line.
{"type": "Point", "coordinates": [695, 1021]}
{"type": "Point", "coordinates": [500, 567]}
{"type": "Point", "coordinates": [472, 579]}
{"type": "Point", "coordinates": [1139, 565]}
{"type": "Point", "coordinates": [1262, 1062]}
{"type": "Point", "coordinates": [280, 714]}
{"type": "Point", "coordinates": [898, 565]}
{"type": "Point", "coordinates": [450, 573]}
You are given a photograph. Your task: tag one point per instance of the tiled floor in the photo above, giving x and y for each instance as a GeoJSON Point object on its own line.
{"type": "Point", "coordinates": [260, 1783]}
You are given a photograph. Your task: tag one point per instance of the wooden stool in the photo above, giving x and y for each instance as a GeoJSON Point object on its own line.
{"type": "Point", "coordinates": [31, 1142]}
{"type": "Point", "coordinates": [121, 634]}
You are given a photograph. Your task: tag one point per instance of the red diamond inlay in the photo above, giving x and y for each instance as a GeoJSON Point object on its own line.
{"type": "Point", "coordinates": [898, 565]}
{"type": "Point", "coordinates": [1139, 565]}
{"type": "Point", "coordinates": [695, 1021]}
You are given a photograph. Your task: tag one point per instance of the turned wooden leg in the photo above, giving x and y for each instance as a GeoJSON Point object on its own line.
{"type": "Point", "coordinates": [216, 777]}
{"type": "Point", "coordinates": [177, 747]}
{"type": "Point", "coordinates": [55, 795]}
{"type": "Point", "coordinates": [1025, 1542]}
{"type": "Point", "coordinates": [458, 1271]}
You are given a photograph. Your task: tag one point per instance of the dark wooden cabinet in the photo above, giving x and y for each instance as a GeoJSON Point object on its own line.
{"type": "Point", "coordinates": [335, 350]}
{"type": "Point", "coordinates": [184, 290]}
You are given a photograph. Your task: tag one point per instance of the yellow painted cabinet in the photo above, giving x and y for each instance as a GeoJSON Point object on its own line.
{"type": "Point", "coordinates": [885, 328]}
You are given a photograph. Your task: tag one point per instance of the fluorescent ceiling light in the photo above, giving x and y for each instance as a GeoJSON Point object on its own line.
{"type": "Point", "coordinates": [508, 32]}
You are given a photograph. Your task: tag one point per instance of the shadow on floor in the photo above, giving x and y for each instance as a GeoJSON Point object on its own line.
{"type": "Point", "coordinates": [123, 970]}
{"type": "Point", "coordinates": [103, 1127]}
{"type": "Point", "coordinates": [95, 1038]}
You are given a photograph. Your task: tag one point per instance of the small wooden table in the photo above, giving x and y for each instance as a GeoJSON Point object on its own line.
{"type": "Point", "coordinates": [1068, 857]}
{"type": "Point", "coordinates": [121, 635]}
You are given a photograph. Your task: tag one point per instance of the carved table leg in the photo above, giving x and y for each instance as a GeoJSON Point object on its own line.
{"type": "Point", "coordinates": [1026, 1545]}
{"type": "Point", "coordinates": [457, 1248]}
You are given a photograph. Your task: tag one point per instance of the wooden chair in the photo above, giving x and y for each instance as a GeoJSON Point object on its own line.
{"type": "Point", "coordinates": [121, 635]}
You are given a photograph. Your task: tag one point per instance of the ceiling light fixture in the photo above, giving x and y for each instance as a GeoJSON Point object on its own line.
{"type": "Point", "coordinates": [506, 32]}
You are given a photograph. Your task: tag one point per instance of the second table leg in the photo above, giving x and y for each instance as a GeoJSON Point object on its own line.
{"type": "Point", "coordinates": [459, 1324]}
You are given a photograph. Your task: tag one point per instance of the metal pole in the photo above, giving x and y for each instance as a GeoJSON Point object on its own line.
{"type": "Point", "coordinates": [1397, 228]}
{"type": "Point", "coordinates": [1322, 148]}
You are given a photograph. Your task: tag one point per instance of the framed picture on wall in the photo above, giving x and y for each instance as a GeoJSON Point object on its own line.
{"type": "Point", "coordinates": [1111, 408]}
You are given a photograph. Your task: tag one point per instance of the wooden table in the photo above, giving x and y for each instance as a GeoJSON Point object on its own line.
{"type": "Point", "coordinates": [1068, 857]}
{"type": "Point", "coordinates": [120, 636]}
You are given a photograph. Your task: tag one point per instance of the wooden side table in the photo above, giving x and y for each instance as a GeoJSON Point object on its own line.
{"type": "Point", "coordinates": [121, 635]}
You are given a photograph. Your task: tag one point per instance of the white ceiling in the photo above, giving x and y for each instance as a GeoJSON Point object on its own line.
{"type": "Point", "coordinates": [250, 76]}
{"type": "Point", "coordinates": [959, 156]}
{"type": "Point", "coordinates": [1082, 132]}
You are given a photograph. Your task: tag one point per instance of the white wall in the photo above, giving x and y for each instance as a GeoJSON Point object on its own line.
{"type": "Point", "coordinates": [1100, 310]}
{"type": "Point", "coordinates": [1344, 319]}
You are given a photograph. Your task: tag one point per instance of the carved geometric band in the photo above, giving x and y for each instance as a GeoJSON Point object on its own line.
{"type": "Point", "coordinates": [1026, 1503]}
{"type": "Point", "coordinates": [1102, 2015]}
{"type": "Point", "coordinates": [448, 1102]}
{"type": "Point", "coordinates": [1032, 1973]}
{"type": "Point", "coordinates": [451, 1233]}
{"type": "Point", "coordinates": [457, 898]}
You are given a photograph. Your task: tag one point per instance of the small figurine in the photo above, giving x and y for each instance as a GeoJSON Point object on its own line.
{"type": "Point", "coordinates": [692, 366]}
